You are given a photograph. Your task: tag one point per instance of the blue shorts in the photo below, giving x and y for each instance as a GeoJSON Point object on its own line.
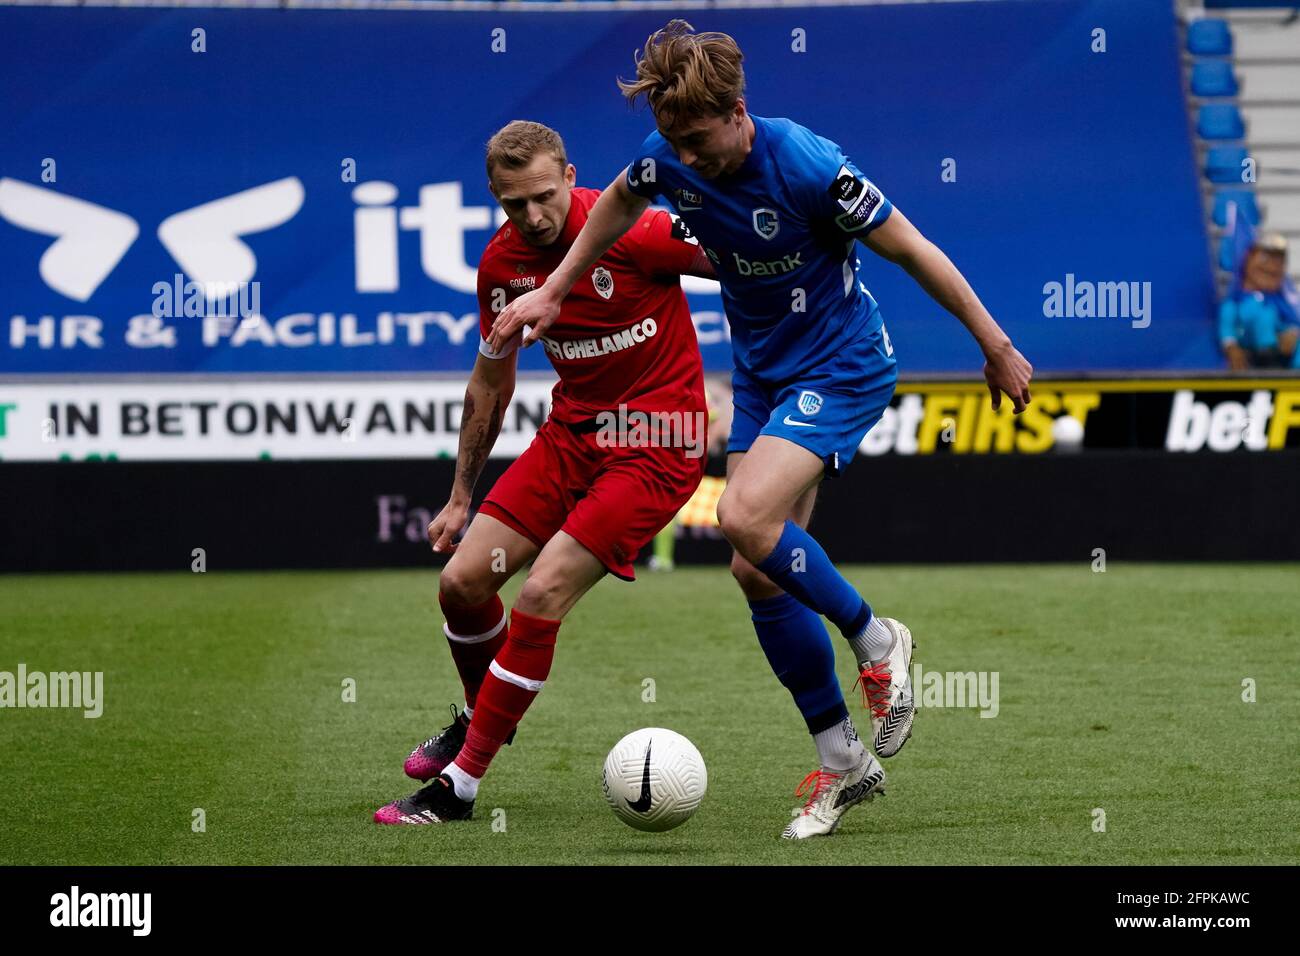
{"type": "Point", "coordinates": [828, 411]}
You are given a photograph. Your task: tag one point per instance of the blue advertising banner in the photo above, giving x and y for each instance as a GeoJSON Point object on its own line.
{"type": "Point", "coordinates": [325, 168]}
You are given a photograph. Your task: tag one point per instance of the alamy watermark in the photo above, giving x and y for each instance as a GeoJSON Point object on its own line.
{"type": "Point", "coordinates": [80, 690]}
{"type": "Point", "coordinates": [636, 429]}
{"type": "Point", "coordinates": [956, 689]}
{"type": "Point", "coordinates": [181, 299]}
{"type": "Point", "coordinates": [130, 910]}
{"type": "Point", "coordinates": [1082, 299]}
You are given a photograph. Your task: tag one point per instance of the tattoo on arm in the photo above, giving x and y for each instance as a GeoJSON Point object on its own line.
{"type": "Point", "coordinates": [476, 441]}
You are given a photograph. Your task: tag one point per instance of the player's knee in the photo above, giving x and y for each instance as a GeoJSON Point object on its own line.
{"type": "Point", "coordinates": [744, 523]}
{"type": "Point", "coordinates": [753, 582]}
{"type": "Point", "coordinates": [459, 584]}
{"type": "Point", "coordinates": [543, 595]}
{"type": "Point", "coordinates": [734, 514]}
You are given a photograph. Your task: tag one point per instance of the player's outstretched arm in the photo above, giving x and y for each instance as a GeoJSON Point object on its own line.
{"type": "Point", "coordinates": [491, 386]}
{"type": "Point", "coordinates": [614, 213]}
{"type": "Point", "coordinates": [1005, 369]}
{"type": "Point", "coordinates": [700, 266]}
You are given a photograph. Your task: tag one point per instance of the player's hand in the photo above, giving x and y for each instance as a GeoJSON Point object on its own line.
{"type": "Point", "coordinates": [444, 528]}
{"type": "Point", "coordinates": [1006, 370]}
{"type": "Point", "coordinates": [537, 310]}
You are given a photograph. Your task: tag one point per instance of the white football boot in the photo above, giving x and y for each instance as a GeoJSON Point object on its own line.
{"type": "Point", "coordinates": [887, 690]}
{"type": "Point", "coordinates": [833, 793]}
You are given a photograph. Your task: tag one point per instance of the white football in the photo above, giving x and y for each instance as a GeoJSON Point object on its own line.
{"type": "Point", "coordinates": [654, 779]}
{"type": "Point", "coordinates": [1067, 433]}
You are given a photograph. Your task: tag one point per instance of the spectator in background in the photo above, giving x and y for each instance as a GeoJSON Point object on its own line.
{"type": "Point", "coordinates": [1258, 319]}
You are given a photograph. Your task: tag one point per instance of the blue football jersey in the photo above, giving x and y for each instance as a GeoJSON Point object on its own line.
{"type": "Point", "coordinates": [781, 232]}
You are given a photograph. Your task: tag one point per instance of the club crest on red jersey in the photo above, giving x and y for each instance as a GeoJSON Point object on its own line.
{"type": "Point", "coordinates": [603, 281]}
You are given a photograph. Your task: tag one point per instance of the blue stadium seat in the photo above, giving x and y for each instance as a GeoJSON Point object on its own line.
{"type": "Point", "coordinates": [1209, 38]}
{"type": "Point", "coordinates": [1223, 163]}
{"type": "Point", "coordinates": [1213, 78]}
{"type": "Point", "coordinates": [1246, 206]}
{"type": "Point", "coordinates": [1220, 121]}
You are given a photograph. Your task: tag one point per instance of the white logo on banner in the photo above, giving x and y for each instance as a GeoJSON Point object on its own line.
{"type": "Point", "coordinates": [204, 241]}
{"type": "Point", "coordinates": [91, 240]}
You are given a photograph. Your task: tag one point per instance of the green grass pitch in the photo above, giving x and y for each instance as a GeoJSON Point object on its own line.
{"type": "Point", "coordinates": [1119, 691]}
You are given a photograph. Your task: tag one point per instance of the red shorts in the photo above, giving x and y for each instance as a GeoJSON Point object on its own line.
{"type": "Point", "coordinates": [612, 501]}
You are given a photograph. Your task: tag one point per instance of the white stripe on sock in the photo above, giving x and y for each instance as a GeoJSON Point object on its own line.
{"type": "Point", "coordinates": [516, 679]}
{"type": "Point", "coordinates": [475, 638]}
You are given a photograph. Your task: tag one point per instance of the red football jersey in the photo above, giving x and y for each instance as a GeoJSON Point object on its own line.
{"type": "Point", "coordinates": [624, 335]}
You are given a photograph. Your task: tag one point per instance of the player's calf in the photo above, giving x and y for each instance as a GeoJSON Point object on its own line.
{"type": "Point", "coordinates": [475, 635]}
{"type": "Point", "coordinates": [754, 584]}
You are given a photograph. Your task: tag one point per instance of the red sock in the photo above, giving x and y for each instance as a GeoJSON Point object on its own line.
{"type": "Point", "coordinates": [476, 635]}
{"type": "Point", "coordinates": [515, 678]}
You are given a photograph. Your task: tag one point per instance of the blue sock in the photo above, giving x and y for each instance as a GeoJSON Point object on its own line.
{"type": "Point", "coordinates": [800, 652]}
{"type": "Point", "coordinates": [799, 566]}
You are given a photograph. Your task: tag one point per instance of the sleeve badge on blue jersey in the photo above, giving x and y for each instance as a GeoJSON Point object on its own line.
{"type": "Point", "coordinates": [858, 197]}
{"type": "Point", "coordinates": [847, 188]}
{"type": "Point", "coordinates": [682, 232]}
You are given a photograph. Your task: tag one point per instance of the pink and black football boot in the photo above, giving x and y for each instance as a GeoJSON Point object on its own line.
{"type": "Point", "coordinates": [431, 757]}
{"type": "Point", "coordinates": [436, 803]}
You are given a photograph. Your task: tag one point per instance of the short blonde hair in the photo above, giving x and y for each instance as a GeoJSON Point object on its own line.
{"type": "Point", "coordinates": [514, 145]}
{"type": "Point", "coordinates": [686, 75]}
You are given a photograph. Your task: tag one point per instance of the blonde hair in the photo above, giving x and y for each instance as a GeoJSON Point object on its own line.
{"type": "Point", "coordinates": [514, 145]}
{"type": "Point", "coordinates": [687, 75]}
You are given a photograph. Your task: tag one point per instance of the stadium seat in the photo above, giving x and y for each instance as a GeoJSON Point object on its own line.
{"type": "Point", "coordinates": [1213, 78]}
{"type": "Point", "coordinates": [1246, 206]}
{"type": "Point", "coordinates": [1209, 38]}
{"type": "Point", "coordinates": [1220, 121]}
{"type": "Point", "coordinates": [1223, 163]}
